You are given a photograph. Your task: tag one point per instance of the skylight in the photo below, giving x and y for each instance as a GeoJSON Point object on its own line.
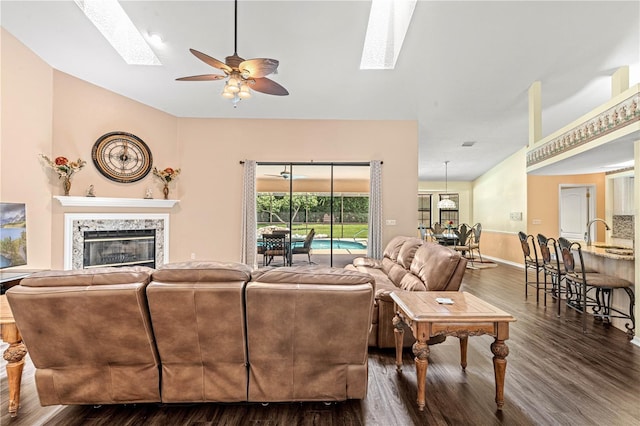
{"type": "Point", "coordinates": [116, 26]}
{"type": "Point", "coordinates": [388, 24]}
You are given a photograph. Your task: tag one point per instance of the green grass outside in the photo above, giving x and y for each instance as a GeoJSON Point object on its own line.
{"type": "Point", "coordinates": [347, 230]}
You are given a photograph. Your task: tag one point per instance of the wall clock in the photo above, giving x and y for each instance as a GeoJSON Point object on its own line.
{"type": "Point", "coordinates": [122, 157]}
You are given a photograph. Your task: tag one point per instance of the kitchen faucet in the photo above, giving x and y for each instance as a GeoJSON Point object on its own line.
{"type": "Point", "coordinates": [587, 235]}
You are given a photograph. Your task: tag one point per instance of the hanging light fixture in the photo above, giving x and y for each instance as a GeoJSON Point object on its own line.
{"type": "Point", "coordinates": [446, 202]}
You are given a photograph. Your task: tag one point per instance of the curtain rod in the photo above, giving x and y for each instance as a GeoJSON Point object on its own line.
{"type": "Point", "coordinates": [319, 163]}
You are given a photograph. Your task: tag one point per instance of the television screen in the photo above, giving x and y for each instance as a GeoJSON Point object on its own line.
{"type": "Point", "coordinates": [13, 234]}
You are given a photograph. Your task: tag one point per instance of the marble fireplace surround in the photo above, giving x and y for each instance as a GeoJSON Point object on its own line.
{"type": "Point", "coordinates": [75, 224]}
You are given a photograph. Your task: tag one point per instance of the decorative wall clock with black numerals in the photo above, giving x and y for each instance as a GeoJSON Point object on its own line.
{"type": "Point", "coordinates": [122, 157]}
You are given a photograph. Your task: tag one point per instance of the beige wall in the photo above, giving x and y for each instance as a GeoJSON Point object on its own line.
{"type": "Point", "coordinates": [82, 112]}
{"type": "Point", "coordinates": [46, 111]}
{"type": "Point", "coordinates": [26, 130]}
{"type": "Point", "coordinates": [213, 207]}
{"type": "Point", "coordinates": [543, 201]}
{"type": "Point", "coordinates": [496, 194]}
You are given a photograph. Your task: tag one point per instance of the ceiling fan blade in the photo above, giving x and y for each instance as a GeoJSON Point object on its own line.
{"type": "Point", "coordinates": [259, 67]}
{"type": "Point", "coordinates": [203, 77]}
{"type": "Point", "coordinates": [268, 86]}
{"type": "Point", "coordinates": [211, 61]}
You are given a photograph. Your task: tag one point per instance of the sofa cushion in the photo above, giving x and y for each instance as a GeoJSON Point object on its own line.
{"type": "Point", "coordinates": [88, 277]}
{"type": "Point", "coordinates": [408, 251]}
{"type": "Point", "coordinates": [207, 272]}
{"type": "Point", "coordinates": [396, 273]}
{"type": "Point", "coordinates": [412, 283]}
{"type": "Point", "coordinates": [393, 247]}
{"type": "Point", "coordinates": [367, 261]}
{"type": "Point", "coordinates": [311, 274]}
{"type": "Point", "coordinates": [434, 265]}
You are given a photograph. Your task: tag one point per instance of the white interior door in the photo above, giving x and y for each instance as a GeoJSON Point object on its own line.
{"type": "Point", "coordinates": [576, 209]}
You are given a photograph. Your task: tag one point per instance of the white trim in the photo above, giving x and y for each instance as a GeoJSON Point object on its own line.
{"type": "Point", "coordinates": [70, 217]}
{"type": "Point", "coordinates": [508, 262]}
{"type": "Point", "coordinates": [496, 231]}
{"type": "Point", "coordinates": [114, 202]}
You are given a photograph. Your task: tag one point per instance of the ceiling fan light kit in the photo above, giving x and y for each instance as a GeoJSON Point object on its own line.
{"type": "Point", "coordinates": [242, 75]}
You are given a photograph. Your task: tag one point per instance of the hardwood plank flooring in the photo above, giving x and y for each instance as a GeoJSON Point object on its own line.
{"type": "Point", "coordinates": [555, 376]}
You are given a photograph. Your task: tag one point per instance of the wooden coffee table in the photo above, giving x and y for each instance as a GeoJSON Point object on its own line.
{"type": "Point", "coordinates": [466, 316]}
{"type": "Point", "coordinates": [14, 354]}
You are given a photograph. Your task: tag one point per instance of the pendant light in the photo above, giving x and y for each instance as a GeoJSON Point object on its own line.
{"type": "Point", "coordinates": [446, 202]}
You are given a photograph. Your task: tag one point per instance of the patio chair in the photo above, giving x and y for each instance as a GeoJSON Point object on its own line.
{"type": "Point", "coordinates": [274, 245]}
{"type": "Point", "coordinates": [306, 245]}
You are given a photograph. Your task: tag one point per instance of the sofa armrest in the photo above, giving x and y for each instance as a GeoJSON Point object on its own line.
{"type": "Point", "coordinates": [367, 262]}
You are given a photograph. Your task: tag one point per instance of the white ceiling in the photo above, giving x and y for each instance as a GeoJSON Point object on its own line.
{"type": "Point", "coordinates": [463, 72]}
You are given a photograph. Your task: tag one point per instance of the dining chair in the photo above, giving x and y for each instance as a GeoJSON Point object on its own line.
{"type": "Point", "coordinates": [463, 239]}
{"type": "Point", "coordinates": [474, 244]}
{"type": "Point", "coordinates": [423, 231]}
{"type": "Point", "coordinates": [531, 263]}
{"type": "Point", "coordinates": [594, 290]}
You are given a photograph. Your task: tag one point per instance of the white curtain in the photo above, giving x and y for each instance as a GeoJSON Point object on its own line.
{"type": "Point", "coordinates": [249, 215]}
{"type": "Point", "coordinates": [374, 249]}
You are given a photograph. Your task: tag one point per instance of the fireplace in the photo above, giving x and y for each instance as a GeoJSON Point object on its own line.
{"type": "Point", "coordinates": [115, 239]}
{"type": "Point", "coordinates": [128, 247]}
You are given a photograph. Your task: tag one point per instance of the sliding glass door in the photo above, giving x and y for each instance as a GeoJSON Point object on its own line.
{"type": "Point", "coordinates": [322, 206]}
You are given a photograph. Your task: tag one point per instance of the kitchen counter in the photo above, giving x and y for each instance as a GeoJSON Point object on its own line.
{"type": "Point", "coordinates": [608, 251]}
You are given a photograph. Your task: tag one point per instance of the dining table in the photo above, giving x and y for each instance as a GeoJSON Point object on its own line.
{"type": "Point", "coordinates": [446, 238]}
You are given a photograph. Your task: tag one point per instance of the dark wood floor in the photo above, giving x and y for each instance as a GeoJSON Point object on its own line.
{"type": "Point", "coordinates": [555, 376]}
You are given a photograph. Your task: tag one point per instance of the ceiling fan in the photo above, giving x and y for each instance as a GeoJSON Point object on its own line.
{"type": "Point", "coordinates": [286, 175]}
{"type": "Point", "coordinates": [242, 74]}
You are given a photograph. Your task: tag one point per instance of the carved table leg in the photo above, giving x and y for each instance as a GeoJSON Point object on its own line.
{"type": "Point", "coordinates": [421, 351]}
{"type": "Point", "coordinates": [398, 335]}
{"type": "Point", "coordinates": [463, 351]}
{"type": "Point", "coordinates": [14, 355]}
{"type": "Point", "coordinates": [500, 352]}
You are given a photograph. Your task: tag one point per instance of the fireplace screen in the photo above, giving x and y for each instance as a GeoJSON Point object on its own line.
{"type": "Point", "coordinates": [120, 248]}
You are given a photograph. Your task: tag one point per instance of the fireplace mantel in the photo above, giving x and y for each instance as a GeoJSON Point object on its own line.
{"type": "Point", "coordinates": [69, 201]}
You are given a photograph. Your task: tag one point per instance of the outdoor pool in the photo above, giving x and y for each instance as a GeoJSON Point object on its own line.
{"type": "Point", "coordinates": [337, 244]}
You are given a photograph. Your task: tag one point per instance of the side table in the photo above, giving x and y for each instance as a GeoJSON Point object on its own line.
{"type": "Point", "coordinates": [464, 316]}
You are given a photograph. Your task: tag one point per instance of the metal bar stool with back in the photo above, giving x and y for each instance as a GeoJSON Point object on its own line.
{"type": "Point", "coordinates": [594, 290]}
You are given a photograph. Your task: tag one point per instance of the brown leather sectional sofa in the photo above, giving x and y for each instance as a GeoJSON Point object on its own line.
{"type": "Point", "coordinates": [196, 332]}
{"type": "Point", "coordinates": [409, 264]}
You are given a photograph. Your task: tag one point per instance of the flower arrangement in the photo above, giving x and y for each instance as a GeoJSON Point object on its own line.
{"type": "Point", "coordinates": [63, 167]}
{"type": "Point", "coordinates": [167, 175]}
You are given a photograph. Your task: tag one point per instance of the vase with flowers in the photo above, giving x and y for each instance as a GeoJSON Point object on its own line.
{"type": "Point", "coordinates": [65, 169]}
{"type": "Point", "coordinates": [449, 226]}
{"type": "Point", "coordinates": [166, 175]}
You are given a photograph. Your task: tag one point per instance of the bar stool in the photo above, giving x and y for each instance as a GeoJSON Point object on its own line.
{"type": "Point", "coordinates": [530, 263]}
{"type": "Point", "coordinates": [594, 290]}
{"type": "Point", "coordinates": [551, 268]}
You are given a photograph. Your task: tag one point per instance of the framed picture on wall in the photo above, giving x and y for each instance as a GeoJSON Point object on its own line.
{"type": "Point", "coordinates": [13, 234]}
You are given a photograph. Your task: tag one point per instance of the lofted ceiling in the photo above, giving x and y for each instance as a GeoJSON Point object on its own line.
{"type": "Point", "coordinates": [463, 72]}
